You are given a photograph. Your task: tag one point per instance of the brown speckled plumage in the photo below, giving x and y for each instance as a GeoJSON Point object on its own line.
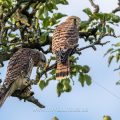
{"type": "Point", "coordinates": [19, 70]}
{"type": "Point", "coordinates": [65, 39]}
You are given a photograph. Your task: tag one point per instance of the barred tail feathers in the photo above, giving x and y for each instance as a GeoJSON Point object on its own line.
{"type": "Point", "coordinates": [6, 93]}
{"type": "Point", "coordinates": [63, 70]}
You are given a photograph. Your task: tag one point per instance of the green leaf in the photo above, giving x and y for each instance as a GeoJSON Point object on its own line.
{"type": "Point", "coordinates": [36, 23]}
{"type": "Point", "coordinates": [110, 60]}
{"type": "Point", "coordinates": [117, 44]}
{"type": "Point", "coordinates": [118, 82]}
{"type": "Point", "coordinates": [54, 5]}
{"type": "Point", "coordinates": [46, 11]}
{"type": "Point", "coordinates": [58, 15]}
{"type": "Point", "coordinates": [81, 79]}
{"type": "Point", "coordinates": [107, 16]}
{"type": "Point", "coordinates": [42, 84]}
{"type": "Point", "coordinates": [64, 2]}
{"type": "Point", "coordinates": [49, 79]}
{"type": "Point", "coordinates": [75, 69]}
{"type": "Point", "coordinates": [84, 25]}
{"type": "Point", "coordinates": [5, 48]}
{"type": "Point", "coordinates": [56, 1]}
{"type": "Point", "coordinates": [12, 20]}
{"type": "Point", "coordinates": [115, 18]}
{"type": "Point", "coordinates": [87, 79]}
{"type": "Point", "coordinates": [40, 11]}
{"type": "Point", "coordinates": [44, 37]}
{"type": "Point", "coordinates": [66, 85]}
{"type": "Point", "coordinates": [100, 16]}
{"type": "Point", "coordinates": [88, 11]}
{"type": "Point", "coordinates": [117, 57]}
{"type": "Point", "coordinates": [53, 58]}
{"type": "Point", "coordinates": [59, 88]}
{"type": "Point", "coordinates": [104, 29]}
{"type": "Point", "coordinates": [6, 3]}
{"type": "Point", "coordinates": [110, 29]}
{"type": "Point", "coordinates": [1, 1]}
{"type": "Point", "coordinates": [52, 21]}
{"type": "Point", "coordinates": [108, 51]}
{"type": "Point", "coordinates": [53, 72]}
{"type": "Point", "coordinates": [12, 35]}
{"type": "Point", "coordinates": [85, 69]}
{"type": "Point", "coordinates": [73, 59]}
{"type": "Point", "coordinates": [50, 7]}
{"type": "Point", "coordinates": [65, 81]}
{"type": "Point", "coordinates": [68, 88]}
{"type": "Point", "coordinates": [46, 22]}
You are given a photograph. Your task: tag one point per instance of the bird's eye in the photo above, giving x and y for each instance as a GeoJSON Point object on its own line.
{"type": "Point", "coordinates": [75, 21]}
{"type": "Point", "coordinates": [43, 60]}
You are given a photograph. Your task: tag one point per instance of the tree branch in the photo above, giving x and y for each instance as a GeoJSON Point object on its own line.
{"type": "Point", "coordinates": [96, 7]}
{"type": "Point", "coordinates": [6, 55]}
{"type": "Point", "coordinates": [88, 33]}
{"type": "Point", "coordinates": [31, 99]}
{"type": "Point", "coordinates": [17, 6]}
{"type": "Point", "coordinates": [13, 10]}
{"type": "Point", "coordinates": [92, 45]}
{"type": "Point", "coordinates": [117, 9]}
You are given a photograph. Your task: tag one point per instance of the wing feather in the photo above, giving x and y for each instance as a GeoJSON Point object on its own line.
{"type": "Point", "coordinates": [20, 65]}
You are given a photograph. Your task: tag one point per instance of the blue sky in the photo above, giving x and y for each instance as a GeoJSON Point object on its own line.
{"type": "Point", "coordinates": [102, 97]}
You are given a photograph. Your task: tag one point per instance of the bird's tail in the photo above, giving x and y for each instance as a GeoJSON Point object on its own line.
{"type": "Point", "coordinates": [63, 70]}
{"type": "Point", "coordinates": [4, 93]}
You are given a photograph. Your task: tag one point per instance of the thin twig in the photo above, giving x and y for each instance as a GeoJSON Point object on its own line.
{"type": "Point", "coordinates": [48, 68]}
{"type": "Point", "coordinates": [92, 45]}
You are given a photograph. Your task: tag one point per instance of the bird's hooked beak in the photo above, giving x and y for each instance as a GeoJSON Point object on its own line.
{"type": "Point", "coordinates": [78, 22]}
{"type": "Point", "coordinates": [42, 64]}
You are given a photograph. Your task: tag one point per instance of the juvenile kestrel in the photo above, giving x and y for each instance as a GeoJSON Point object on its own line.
{"type": "Point", "coordinates": [64, 43]}
{"type": "Point", "coordinates": [19, 70]}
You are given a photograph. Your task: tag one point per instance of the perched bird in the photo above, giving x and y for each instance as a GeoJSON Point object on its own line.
{"type": "Point", "coordinates": [19, 70]}
{"type": "Point", "coordinates": [64, 43]}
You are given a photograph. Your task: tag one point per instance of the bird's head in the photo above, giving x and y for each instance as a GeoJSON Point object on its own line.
{"type": "Point", "coordinates": [42, 62]}
{"type": "Point", "coordinates": [74, 19]}
{"type": "Point", "coordinates": [39, 59]}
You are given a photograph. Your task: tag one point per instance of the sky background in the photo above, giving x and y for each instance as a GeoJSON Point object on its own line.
{"type": "Point", "coordinates": [83, 103]}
